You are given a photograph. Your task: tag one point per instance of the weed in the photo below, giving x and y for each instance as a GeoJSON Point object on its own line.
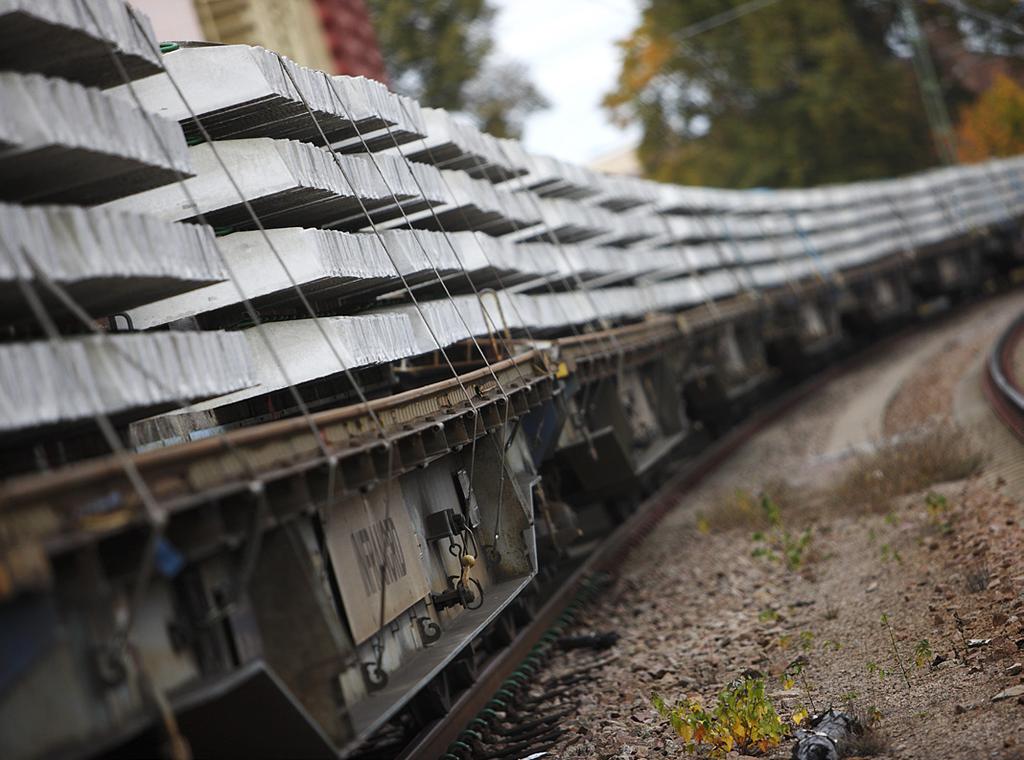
{"type": "Point", "coordinates": [832, 644]}
{"type": "Point", "coordinates": [868, 741]}
{"type": "Point", "coordinates": [937, 507]}
{"type": "Point", "coordinates": [895, 650]}
{"type": "Point", "coordinates": [763, 510]}
{"type": "Point", "coordinates": [941, 454]}
{"type": "Point", "coordinates": [781, 543]}
{"type": "Point", "coordinates": [922, 653]}
{"type": "Point", "coordinates": [768, 616]}
{"type": "Point", "coordinates": [891, 555]}
{"type": "Point", "coordinates": [806, 640]}
{"type": "Point", "coordinates": [877, 670]}
{"type": "Point", "coordinates": [936, 504]}
{"type": "Point", "coordinates": [743, 718]}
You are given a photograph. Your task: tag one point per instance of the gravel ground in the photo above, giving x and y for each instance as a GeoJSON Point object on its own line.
{"type": "Point", "coordinates": [697, 610]}
{"type": "Point", "coordinates": [927, 395]}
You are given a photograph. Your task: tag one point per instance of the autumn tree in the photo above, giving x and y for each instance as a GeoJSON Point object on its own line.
{"type": "Point", "coordinates": [441, 52]}
{"type": "Point", "coordinates": [994, 124]}
{"type": "Point", "coordinates": [794, 94]}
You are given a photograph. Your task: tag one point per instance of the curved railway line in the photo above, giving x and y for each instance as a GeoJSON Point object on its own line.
{"type": "Point", "coordinates": [1002, 378]}
{"type": "Point", "coordinates": [319, 407]}
{"type": "Point", "coordinates": [523, 699]}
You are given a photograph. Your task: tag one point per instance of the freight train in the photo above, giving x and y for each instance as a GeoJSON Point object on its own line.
{"type": "Point", "coordinates": [310, 394]}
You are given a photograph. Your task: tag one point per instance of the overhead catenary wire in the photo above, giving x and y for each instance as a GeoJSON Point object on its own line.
{"type": "Point", "coordinates": [723, 18]}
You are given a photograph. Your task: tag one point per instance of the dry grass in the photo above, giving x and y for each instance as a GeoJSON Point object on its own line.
{"type": "Point", "coordinates": [938, 455]}
{"type": "Point", "coordinates": [868, 486]}
{"type": "Point", "coordinates": [977, 578]}
{"type": "Point", "coordinates": [867, 739]}
{"type": "Point", "coordinates": [774, 502]}
{"type": "Point", "coordinates": [870, 742]}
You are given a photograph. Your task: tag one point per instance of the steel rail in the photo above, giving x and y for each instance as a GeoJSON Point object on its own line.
{"type": "Point", "coordinates": [1002, 385]}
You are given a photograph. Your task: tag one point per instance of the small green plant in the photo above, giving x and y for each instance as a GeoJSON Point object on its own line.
{"type": "Point", "coordinates": [877, 670]}
{"type": "Point", "coordinates": [806, 640]}
{"type": "Point", "coordinates": [937, 507]}
{"type": "Point", "coordinates": [782, 543]}
{"type": "Point", "coordinates": [891, 555]}
{"type": "Point", "coordinates": [922, 653]}
{"type": "Point", "coordinates": [936, 504]}
{"type": "Point", "coordinates": [895, 650]}
{"type": "Point", "coordinates": [832, 644]}
{"type": "Point", "coordinates": [771, 511]}
{"type": "Point", "coordinates": [743, 718]}
{"type": "Point", "coordinates": [768, 616]}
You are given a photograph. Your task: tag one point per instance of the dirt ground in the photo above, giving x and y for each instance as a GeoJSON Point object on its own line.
{"type": "Point", "coordinates": [696, 609]}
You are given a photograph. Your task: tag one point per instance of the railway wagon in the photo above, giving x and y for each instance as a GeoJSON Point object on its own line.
{"type": "Point", "coordinates": [312, 394]}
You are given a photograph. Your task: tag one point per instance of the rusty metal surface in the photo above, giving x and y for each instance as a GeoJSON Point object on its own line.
{"type": "Point", "coordinates": [87, 500]}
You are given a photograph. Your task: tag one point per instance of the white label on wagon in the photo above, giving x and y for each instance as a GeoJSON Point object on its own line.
{"type": "Point", "coordinates": [363, 536]}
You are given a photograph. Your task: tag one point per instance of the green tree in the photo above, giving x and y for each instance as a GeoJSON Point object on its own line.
{"type": "Point", "coordinates": [796, 93]}
{"type": "Point", "coordinates": [501, 97]}
{"type": "Point", "coordinates": [441, 53]}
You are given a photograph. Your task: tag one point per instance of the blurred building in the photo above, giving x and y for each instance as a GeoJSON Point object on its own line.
{"type": "Point", "coordinates": [331, 35]}
{"type": "Point", "coordinates": [619, 161]}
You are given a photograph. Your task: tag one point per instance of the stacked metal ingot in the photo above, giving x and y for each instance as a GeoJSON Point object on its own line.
{"type": "Point", "coordinates": [66, 270]}
{"type": "Point", "coordinates": [331, 196]}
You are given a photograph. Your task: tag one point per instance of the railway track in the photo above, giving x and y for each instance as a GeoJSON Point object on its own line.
{"type": "Point", "coordinates": [1002, 381]}
{"type": "Point", "coordinates": [319, 476]}
{"type": "Point", "coordinates": [503, 716]}
{"type": "Point", "coordinates": [497, 717]}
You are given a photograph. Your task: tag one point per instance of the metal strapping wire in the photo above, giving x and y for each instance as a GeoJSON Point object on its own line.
{"type": "Point", "coordinates": [89, 323]}
{"type": "Point", "coordinates": [118, 645]}
{"type": "Point", "coordinates": [508, 402]}
{"type": "Point", "coordinates": [709, 302]}
{"type": "Point", "coordinates": [329, 458]}
{"type": "Point", "coordinates": [547, 280]}
{"type": "Point", "coordinates": [247, 304]}
{"type": "Point", "coordinates": [780, 261]}
{"type": "Point", "coordinates": [811, 250]}
{"type": "Point", "coordinates": [379, 644]}
{"type": "Point", "coordinates": [604, 323]}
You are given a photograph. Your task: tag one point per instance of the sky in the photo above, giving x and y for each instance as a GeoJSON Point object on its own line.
{"type": "Point", "coordinates": [569, 47]}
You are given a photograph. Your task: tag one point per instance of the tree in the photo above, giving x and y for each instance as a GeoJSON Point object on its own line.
{"type": "Point", "coordinates": [796, 93]}
{"type": "Point", "coordinates": [441, 53]}
{"type": "Point", "coordinates": [501, 97]}
{"type": "Point", "coordinates": [994, 125]}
